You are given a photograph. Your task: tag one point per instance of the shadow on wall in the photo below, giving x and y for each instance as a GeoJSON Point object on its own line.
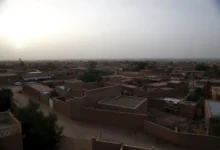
{"type": "Point", "coordinates": [68, 143]}
{"type": "Point", "coordinates": [103, 145]}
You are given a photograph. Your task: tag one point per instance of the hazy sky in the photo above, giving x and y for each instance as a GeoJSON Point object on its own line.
{"type": "Point", "coordinates": [69, 29]}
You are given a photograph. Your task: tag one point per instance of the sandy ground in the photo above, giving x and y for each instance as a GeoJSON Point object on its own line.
{"type": "Point", "coordinates": [78, 129]}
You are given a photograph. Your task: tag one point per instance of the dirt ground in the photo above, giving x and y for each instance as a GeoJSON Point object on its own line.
{"type": "Point", "coordinates": [170, 121]}
{"type": "Point", "coordinates": [78, 129]}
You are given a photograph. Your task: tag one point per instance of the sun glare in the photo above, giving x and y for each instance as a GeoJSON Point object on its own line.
{"type": "Point", "coordinates": [22, 22]}
{"type": "Point", "coordinates": [18, 46]}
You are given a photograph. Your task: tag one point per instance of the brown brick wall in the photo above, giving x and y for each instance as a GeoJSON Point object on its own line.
{"type": "Point", "coordinates": [117, 79]}
{"type": "Point", "coordinates": [155, 103]}
{"type": "Point", "coordinates": [12, 142]}
{"type": "Point", "coordinates": [73, 84]}
{"type": "Point", "coordinates": [91, 85]}
{"type": "Point", "coordinates": [187, 109]}
{"type": "Point", "coordinates": [9, 80]}
{"type": "Point", "coordinates": [159, 131]}
{"type": "Point", "coordinates": [200, 142]}
{"type": "Point", "coordinates": [121, 119]}
{"type": "Point", "coordinates": [31, 91]}
{"type": "Point", "coordinates": [104, 145]}
{"type": "Point", "coordinates": [100, 145]}
{"type": "Point", "coordinates": [126, 147]}
{"type": "Point", "coordinates": [77, 93]}
{"type": "Point", "coordinates": [195, 141]}
{"type": "Point", "coordinates": [76, 105]}
{"type": "Point", "coordinates": [62, 107]}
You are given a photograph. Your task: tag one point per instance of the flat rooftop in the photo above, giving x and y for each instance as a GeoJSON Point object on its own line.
{"type": "Point", "coordinates": [36, 78]}
{"type": "Point", "coordinates": [214, 108]}
{"type": "Point", "coordinates": [61, 87]}
{"type": "Point", "coordinates": [40, 87]}
{"type": "Point", "coordinates": [210, 80]}
{"type": "Point", "coordinates": [7, 74]}
{"type": "Point", "coordinates": [73, 81]}
{"type": "Point", "coordinates": [167, 89]}
{"type": "Point", "coordinates": [159, 84]}
{"type": "Point", "coordinates": [175, 81]}
{"type": "Point", "coordinates": [123, 101]}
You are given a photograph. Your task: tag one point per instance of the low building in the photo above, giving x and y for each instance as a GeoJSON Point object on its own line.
{"type": "Point", "coordinates": [8, 78]}
{"type": "Point", "coordinates": [38, 91]}
{"type": "Point", "coordinates": [112, 79]}
{"type": "Point", "coordinates": [212, 82]}
{"type": "Point", "coordinates": [212, 112]}
{"type": "Point", "coordinates": [37, 78]}
{"type": "Point", "coordinates": [10, 132]}
{"type": "Point", "coordinates": [157, 85]}
{"type": "Point", "coordinates": [175, 106]}
{"type": "Point", "coordinates": [60, 90]}
{"type": "Point", "coordinates": [215, 93]}
{"type": "Point", "coordinates": [174, 83]}
{"type": "Point", "coordinates": [132, 74]}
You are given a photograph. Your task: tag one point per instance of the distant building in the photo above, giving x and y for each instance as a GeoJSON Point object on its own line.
{"type": "Point", "coordinates": [212, 82]}
{"type": "Point", "coordinates": [212, 112]}
{"type": "Point", "coordinates": [113, 79]}
{"type": "Point", "coordinates": [37, 78]}
{"type": "Point", "coordinates": [8, 78]}
{"type": "Point", "coordinates": [157, 85]}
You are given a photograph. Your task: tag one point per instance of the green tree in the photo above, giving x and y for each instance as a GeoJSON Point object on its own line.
{"type": "Point", "coordinates": [92, 64]}
{"type": "Point", "coordinates": [198, 97]}
{"type": "Point", "coordinates": [5, 99]}
{"type": "Point", "coordinates": [90, 75]}
{"type": "Point", "coordinates": [214, 128]}
{"type": "Point", "coordinates": [40, 132]}
{"type": "Point", "coordinates": [202, 67]}
{"type": "Point", "coordinates": [139, 65]}
{"type": "Point", "coordinates": [212, 72]}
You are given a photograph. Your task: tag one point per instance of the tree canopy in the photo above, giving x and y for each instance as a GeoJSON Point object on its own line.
{"type": "Point", "coordinates": [214, 128]}
{"type": "Point", "coordinates": [92, 64]}
{"type": "Point", "coordinates": [139, 65]}
{"type": "Point", "coordinates": [212, 72]}
{"type": "Point", "coordinates": [40, 132]}
{"type": "Point", "coordinates": [91, 74]}
{"type": "Point", "coordinates": [197, 96]}
{"type": "Point", "coordinates": [5, 99]}
{"type": "Point", "coordinates": [202, 67]}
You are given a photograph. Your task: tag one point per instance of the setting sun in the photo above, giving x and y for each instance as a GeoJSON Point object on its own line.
{"type": "Point", "coordinates": [18, 46]}
{"type": "Point", "coordinates": [24, 22]}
